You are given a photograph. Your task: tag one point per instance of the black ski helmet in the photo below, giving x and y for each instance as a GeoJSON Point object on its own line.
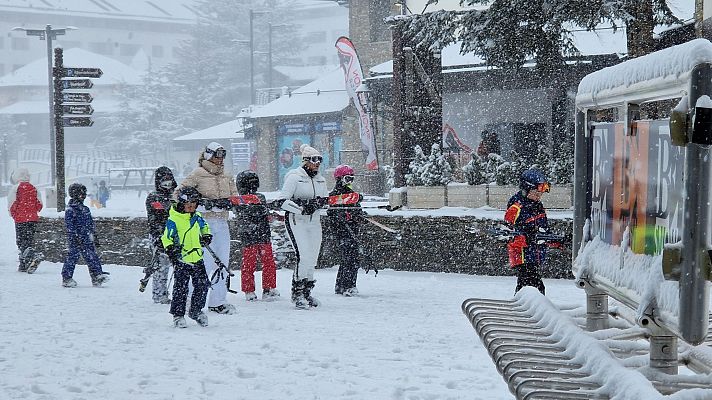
{"type": "Point", "coordinates": [247, 182]}
{"type": "Point", "coordinates": [186, 194]}
{"type": "Point", "coordinates": [164, 174]}
{"type": "Point", "coordinates": [531, 179]}
{"type": "Point", "coordinates": [77, 191]}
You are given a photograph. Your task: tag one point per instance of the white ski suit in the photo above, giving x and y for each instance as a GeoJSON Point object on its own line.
{"type": "Point", "coordinates": [304, 230]}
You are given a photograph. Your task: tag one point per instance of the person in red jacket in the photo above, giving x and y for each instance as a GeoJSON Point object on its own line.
{"type": "Point", "coordinates": [24, 202]}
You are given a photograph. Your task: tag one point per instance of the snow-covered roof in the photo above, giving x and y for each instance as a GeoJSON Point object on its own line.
{"type": "Point", "coordinates": [100, 104]}
{"type": "Point", "coordinates": [115, 72]}
{"type": "Point", "coordinates": [304, 73]}
{"type": "Point", "coordinates": [175, 11]}
{"type": "Point", "coordinates": [658, 75]}
{"type": "Point", "coordinates": [324, 95]}
{"type": "Point", "coordinates": [228, 130]}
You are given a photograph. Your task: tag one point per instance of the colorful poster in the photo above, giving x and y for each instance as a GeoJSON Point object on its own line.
{"type": "Point", "coordinates": [289, 156]}
{"type": "Point", "coordinates": [353, 76]}
{"type": "Point", "coordinates": [638, 184]}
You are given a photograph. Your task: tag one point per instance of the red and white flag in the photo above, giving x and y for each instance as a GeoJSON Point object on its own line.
{"type": "Point", "coordinates": [353, 75]}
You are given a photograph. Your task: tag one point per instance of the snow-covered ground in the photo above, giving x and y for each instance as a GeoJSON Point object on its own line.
{"type": "Point", "coordinates": [405, 337]}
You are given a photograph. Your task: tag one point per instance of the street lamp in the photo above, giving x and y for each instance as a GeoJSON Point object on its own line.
{"type": "Point", "coordinates": [49, 34]}
{"type": "Point", "coordinates": [363, 93]}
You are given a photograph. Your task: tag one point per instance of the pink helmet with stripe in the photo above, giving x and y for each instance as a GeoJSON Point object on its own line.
{"type": "Point", "coordinates": [343, 170]}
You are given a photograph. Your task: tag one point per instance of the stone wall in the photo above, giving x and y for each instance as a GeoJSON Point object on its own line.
{"type": "Point", "coordinates": [440, 244]}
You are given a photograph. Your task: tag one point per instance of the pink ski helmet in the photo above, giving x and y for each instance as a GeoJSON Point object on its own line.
{"type": "Point", "coordinates": [343, 170]}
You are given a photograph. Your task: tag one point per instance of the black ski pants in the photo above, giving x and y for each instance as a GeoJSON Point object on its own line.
{"type": "Point", "coordinates": [348, 266]}
{"type": "Point", "coordinates": [528, 275]}
{"type": "Point", "coordinates": [183, 273]}
{"type": "Point", "coordinates": [25, 235]}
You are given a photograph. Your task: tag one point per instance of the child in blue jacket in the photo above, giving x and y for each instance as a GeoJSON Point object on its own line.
{"type": "Point", "coordinates": [80, 239]}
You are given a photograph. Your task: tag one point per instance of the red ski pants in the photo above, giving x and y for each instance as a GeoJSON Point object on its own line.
{"type": "Point", "coordinates": [249, 264]}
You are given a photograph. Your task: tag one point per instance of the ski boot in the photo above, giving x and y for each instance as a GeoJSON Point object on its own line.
{"type": "Point", "coordinates": [250, 296]}
{"type": "Point", "coordinates": [270, 294]}
{"type": "Point", "coordinates": [33, 262]}
{"type": "Point", "coordinates": [308, 286]}
{"type": "Point", "coordinates": [179, 322]}
{"type": "Point", "coordinates": [298, 295]}
{"type": "Point", "coordinates": [350, 292]}
{"type": "Point", "coordinates": [69, 283]}
{"type": "Point", "coordinates": [100, 279]}
{"type": "Point", "coordinates": [200, 318]}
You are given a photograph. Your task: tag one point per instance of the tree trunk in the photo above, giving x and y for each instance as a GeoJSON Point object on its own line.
{"type": "Point", "coordinates": [639, 30]}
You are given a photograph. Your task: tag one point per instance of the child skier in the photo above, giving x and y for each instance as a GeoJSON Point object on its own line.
{"type": "Point", "coordinates": [345, 223]}
{"type": "Point", "coordinates": [102, 194]}
{"type": "Point", "coordinates": [158, 204]}
{"type": "Point", "coordinates": [254, 233]}
{"type": "Point", "coordinates": [184, 237]}
{"type": "Point", "coordinates": [23, 203]}
{"type": "Point", "coordinates": [80, 239]}
{"type": "Point", "coordinates": [526, 215]}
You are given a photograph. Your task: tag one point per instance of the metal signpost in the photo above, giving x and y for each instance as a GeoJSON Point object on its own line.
{"type": "Point", "coordinates": [71, 109]}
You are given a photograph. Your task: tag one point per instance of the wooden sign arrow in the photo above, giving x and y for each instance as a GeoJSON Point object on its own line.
{"type": "Point", "coordinates": [77, 97]}
{"type": "Point", "coordinates": [77, 109]}
{"type": "Point", "coordinates": [77, 121]}
{"type": "Point", "coordinates": [77, 84]}
{"type": "Point", "coordinates": [73, 72]}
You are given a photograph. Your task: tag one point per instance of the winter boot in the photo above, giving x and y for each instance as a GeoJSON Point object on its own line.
{"type": "Point", "coordinates": [201, 319]}
{"type": "Point", "coordinates": [298, 295]}
{"type": "Point", "coordinates": [250, 296]}
{"type": "Point", "coordinates": [69, 282]}
{"type": "Point", "coordinates": [308, 286]}
{"type": "Point", "coordinates": [351, 292]}
{"type": "Point", "coordinates": [162, 300]}
{"type": "Point", "coordinates": [226, 308]}
{"type": "Point", "coordinates": [270, 294]}
{"type": "Point", "coordinates": [100, 279]}
{"type": "Point", "coordinates": [339, 290]}
{"type": "Point", "coordinates": [33, 262]}
{"type": "Point", "coordinates": [179, 322]}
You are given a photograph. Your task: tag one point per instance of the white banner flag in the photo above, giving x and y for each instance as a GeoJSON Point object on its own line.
{"type": "Point", "coordinates": [353, 76]}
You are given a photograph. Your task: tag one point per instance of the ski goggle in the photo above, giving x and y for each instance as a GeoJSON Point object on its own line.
{"type": "Point", "coordinates": [219, 153]}
{"type": "Point", "coordinates": [314, 159]}
{"type": "Point", "coordinates": [167, 184]}
{"type": "Point", "coordinates": [348, 178]}
{"type": "Point", "coordinates": [543, 187]}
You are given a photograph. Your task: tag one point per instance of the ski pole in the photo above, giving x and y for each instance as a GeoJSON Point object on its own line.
{"type": "Point", "coordinates": [221, 266]}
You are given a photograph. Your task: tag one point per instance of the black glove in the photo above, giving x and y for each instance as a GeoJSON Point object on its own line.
{"type": "Point", "coordinates": [173, 254]}
{"type": "Point", "coordinates": [207, 203]}
{"type": "Point", "coordinates": [309, 208]}
{"type": "Point", "coordinates": [205, 240]}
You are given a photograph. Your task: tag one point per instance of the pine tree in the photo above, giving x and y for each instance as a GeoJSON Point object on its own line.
{"type": "Point", "coordinates": [413, 178]}
{"type": "Point", "coordinates": [475, 171]}
{"type": "Point", "coordinates": [436, 170]}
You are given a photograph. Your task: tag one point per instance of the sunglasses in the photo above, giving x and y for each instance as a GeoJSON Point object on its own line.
{"type": "Point", "coordinates": [314, 159]}
{"type": "Point", "coordinates": [219, 153]}
{"type": "Point", "coordinates": [543, 187]}
{"type": "Point", "coordinates": [348, 178]}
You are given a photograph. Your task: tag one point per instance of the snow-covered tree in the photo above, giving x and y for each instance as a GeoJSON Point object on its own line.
{"type": "Point", "coordinates": [475, 171]}
{"type": "Point", "coordinates": [436, 171]}
{"type": "Point", "coordinates": [415, 167]}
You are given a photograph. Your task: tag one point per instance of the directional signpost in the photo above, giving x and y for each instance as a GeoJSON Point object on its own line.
{"type": "Point", "coordinates": [71, 108]}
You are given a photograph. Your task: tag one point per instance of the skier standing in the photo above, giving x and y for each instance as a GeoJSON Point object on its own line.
{"type": "Point", "coordinates": [254, 233]}
{"type": "Point", "coordinates": [23, 203]}
{"type": "Point", "coordinates": [303, 193]}
{"type": "Point", "coordinates": [80, 239]}
{"type": "Point", "coordinates": [184, 237]}
{"type": "Point", "coordinates": [158, 205]}
{"type": "Point", "coordinates": [345, 223]}
{"type": "Point", "coordinates": [210, 180]}
{"type": "Point", "coordinates": [527, 216]}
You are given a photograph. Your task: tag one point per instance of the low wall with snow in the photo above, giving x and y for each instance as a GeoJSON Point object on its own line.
{"type": "Point", "coordinates": [442, 244]}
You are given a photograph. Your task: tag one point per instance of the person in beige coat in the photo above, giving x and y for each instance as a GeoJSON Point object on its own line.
{"type": "Point", "coordinates": [210, 180]}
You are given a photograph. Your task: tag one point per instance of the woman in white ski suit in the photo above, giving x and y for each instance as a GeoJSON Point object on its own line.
{"type": "Point", "coordinates": [212, 183]}
{"type": "Point", "coordinates": [304, 193]}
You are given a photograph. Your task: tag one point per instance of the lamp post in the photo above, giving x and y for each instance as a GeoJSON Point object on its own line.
{"type": "Point", "coordinates": [252, 53]}
{"type": "Point", "coordinates": [49, 34]}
